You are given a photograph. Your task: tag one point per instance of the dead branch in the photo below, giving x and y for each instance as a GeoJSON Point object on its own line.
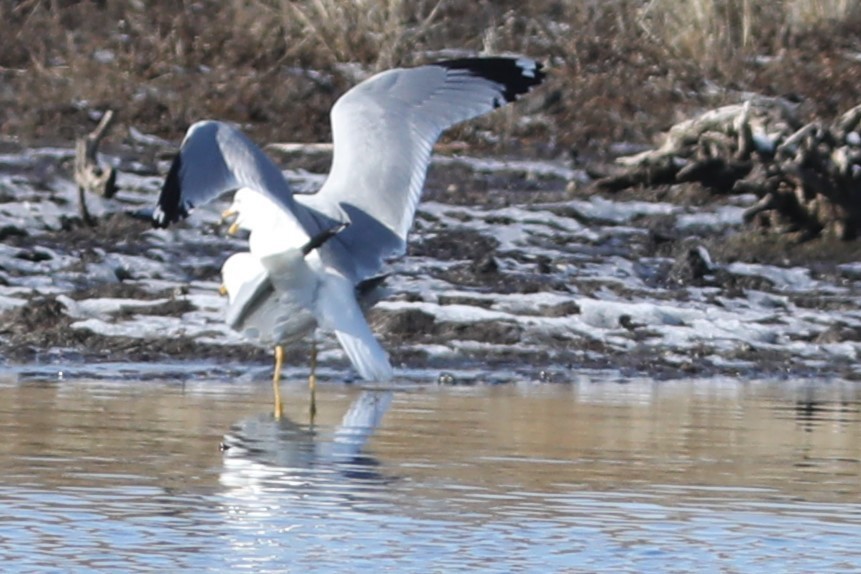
{"type": "Point", "coordinates": [89, 175]}
{"type": "Point", "coordinates": [806, 177]}
{"type": "Point", "coordinates": [657, 171]}
{"type": "Point", "coordinates": [745, 135]}
{"type": "Point", "coordinates": [848, 122]}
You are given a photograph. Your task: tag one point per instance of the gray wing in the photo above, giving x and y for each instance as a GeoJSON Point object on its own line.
{"type": "Point", "coordinates": [252, 294]}
{"type": "Point", "coordinates": [258, 313]}
{"type": "Point", "coordinates": [384, 130]}
{"type": "Point", "coordinates": [216, 158]}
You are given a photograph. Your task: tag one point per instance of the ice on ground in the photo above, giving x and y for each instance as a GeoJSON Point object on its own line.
{"type": "Point", "coordinates": [572, 286]}
{"type": "Point", "coordinates": [783, 279]}
{"type": "Point", "coordinates": [601, 209]}
{"type": "Point", "coordinates": [726, 216]}
{"type": "Point", "coordinates": [530, 168]}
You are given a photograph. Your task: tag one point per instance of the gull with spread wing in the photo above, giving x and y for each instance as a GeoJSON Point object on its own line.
{"type": "Point", "coordinates": [312, 257]}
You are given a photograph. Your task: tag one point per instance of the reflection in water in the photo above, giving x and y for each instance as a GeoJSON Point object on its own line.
{"type": "Point", "coordinates": [266, 452]}
{"type": "Point", "coordinates": [595, 476]}
{"type": "Point", "coordinates": [284, 481]}
{"type": "Point", "coordinates": [810, 410]}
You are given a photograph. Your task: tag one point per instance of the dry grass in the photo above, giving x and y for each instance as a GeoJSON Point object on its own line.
{"type": "Point", "coordinates": [381, 32]}
{"type": "Point", "coordinates": [716, 33]}
{"type": "Point", "coordinates": [620, 69]}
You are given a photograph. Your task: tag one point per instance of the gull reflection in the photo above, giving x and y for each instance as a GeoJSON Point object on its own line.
{"type": "Point", "coordinates": [267, 454]}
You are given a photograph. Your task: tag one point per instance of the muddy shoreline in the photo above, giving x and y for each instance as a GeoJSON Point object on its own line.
{"type": "Point", "coordinates": [509, 275]}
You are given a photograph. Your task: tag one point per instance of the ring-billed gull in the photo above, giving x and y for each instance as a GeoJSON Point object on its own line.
{"type": "Point", "coordinates": [309, 253]}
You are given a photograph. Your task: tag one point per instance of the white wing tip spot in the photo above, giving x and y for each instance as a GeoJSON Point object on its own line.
{"type": "Point", "coordinates": [528, 67]}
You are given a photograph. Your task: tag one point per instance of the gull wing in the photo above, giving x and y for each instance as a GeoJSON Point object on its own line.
{"type": "Point", "coordinates": [336, 308]}
{"type": "Point", "coordinates": [216, 158]}
{"type": "Point", "coordinates": [248, 288]}
{"type": "Point", "coordinates": [384, 130]}
{"type": "Point", "coordinates": [254, 293]}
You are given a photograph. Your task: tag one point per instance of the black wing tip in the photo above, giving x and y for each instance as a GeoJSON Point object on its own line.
{"type": "Point", "coordinates": [321, 238]}
{"type": "Point", "coordinates": [517, 75]}
{"type": "Point", "coordinates": [170, 208]}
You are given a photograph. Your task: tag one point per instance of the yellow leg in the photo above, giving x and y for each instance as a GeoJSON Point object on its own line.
{"type": "Point", "coordinates": [312, 379]}
{"type": "Point", "coordinates": [276, 381]}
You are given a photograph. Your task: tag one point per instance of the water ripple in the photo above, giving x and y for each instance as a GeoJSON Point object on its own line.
{"type": "Point", "coordinates": [482, 480]}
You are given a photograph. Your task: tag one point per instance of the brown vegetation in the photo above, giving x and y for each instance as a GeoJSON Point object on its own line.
{"type": "Point", "coordinates": [621, 70]}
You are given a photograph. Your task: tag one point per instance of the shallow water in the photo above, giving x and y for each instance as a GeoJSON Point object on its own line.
{"type": "Point", "coordinates": [708, 475]}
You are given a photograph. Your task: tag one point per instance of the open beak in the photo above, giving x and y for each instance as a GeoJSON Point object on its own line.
{"type": "Point", "coordinates": [228, 214]}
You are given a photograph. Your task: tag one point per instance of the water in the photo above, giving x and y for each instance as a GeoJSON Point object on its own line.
{"type": "Point", "coordinates": [702, 476]}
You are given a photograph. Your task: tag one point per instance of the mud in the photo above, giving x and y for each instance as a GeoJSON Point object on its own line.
{"type": "Point", "coordinates": [466, 258]}
{"type": "Point", "coordinates": [570, 245]}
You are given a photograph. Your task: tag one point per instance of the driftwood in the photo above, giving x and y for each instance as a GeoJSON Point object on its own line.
{"type": "Point", "coordinates": [89, 175]}
{"type": "Point", "coordinates": [807, 177]}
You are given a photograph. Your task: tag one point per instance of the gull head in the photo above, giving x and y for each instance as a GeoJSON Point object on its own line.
{"type": "Point", "coordinates": [272, 228]}
{"type": "Point", "coordinates": [252, 210]}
